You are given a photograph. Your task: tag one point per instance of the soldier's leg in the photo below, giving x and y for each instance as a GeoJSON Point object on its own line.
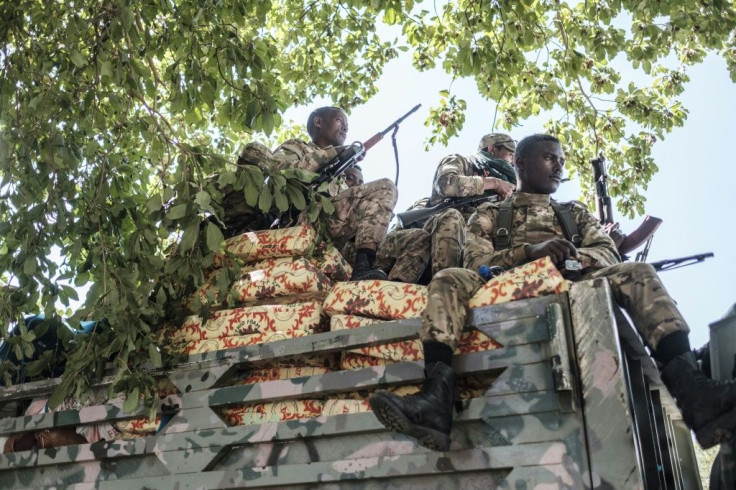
{"type": "Point", "coordinates": [708, 407]}
{"type": "Point", "coordinates": [637, 288]}
{"type": "Point", "coordinates": [448, 239]}
{"type": "Point", "coordinates": [363, 213]}
{"type": "Point", "coordinates": [427, 416]}
{"type": "Point", "coordinates": [404, 254]}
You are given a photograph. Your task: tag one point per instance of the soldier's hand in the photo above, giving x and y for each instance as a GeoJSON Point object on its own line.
{"type": "Point", "coordinates": [503, 188]}
{"type": "Point", "coordinates": [557, 249]}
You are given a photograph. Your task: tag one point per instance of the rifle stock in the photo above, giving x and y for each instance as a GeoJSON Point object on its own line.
{"type": "Point", "coordinates": [636, 238]}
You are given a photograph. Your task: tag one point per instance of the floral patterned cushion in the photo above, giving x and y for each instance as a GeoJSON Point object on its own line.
{"type": "Point", "coordinates": [537, 278]}
{"type": "Point", "coordinates": [250, 320]}
{"type": "Point", "coordinates": [386, 300]}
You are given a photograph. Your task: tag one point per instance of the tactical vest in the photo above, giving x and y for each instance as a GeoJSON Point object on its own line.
{"type": "Point", "coordinates": [502, 234]}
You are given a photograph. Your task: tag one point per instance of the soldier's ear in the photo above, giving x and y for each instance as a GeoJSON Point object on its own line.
{"type": "Point", "coordinates": [520, 167]}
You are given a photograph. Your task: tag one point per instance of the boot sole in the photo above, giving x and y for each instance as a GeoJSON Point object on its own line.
{"type": "Point", "coordinates": [394, 419]}
{"type": "Point", "coordinates": [717, 431]}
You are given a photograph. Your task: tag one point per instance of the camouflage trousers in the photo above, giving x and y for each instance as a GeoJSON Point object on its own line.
{"type": "Point", "coordinates": [363, 213]}
{"type": "Point", "coordinates": [404, 254]}
{"type": "Point", "coordinates": [635, 287]}
{"type": "Point", "coordinates": [447, 230]}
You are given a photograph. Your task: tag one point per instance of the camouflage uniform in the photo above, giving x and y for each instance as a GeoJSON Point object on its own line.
{"type": "Point", "coordinates": [404, 254]}
{"type": "Point", "coordinates": [237, 216]}
{"type": "Point", "coordinates": [635, 285]}
{"type": "Point", "coordinates": [459, 176]}
{"type": "Point", "coordinates": [362, 212]}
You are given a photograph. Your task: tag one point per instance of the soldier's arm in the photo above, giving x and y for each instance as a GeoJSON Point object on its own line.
{"type": "Point", "coordinates": [597, 249]}
{"type": "Point", "coordinates": [452, 179]}
{"type": "Point", "coordinates": [479, 243]}
{"type": "Point", "coordinates": [298, 154]}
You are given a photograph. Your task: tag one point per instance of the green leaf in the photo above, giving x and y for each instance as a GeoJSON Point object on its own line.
{"type": "Point", "coordinates": [327, 205]}
{"type": "Point", "coordinates": [77, 58]}
{"type": "Point", "coordinates": [155, 203]}
{"type": "Point", "coordinates": [296, 197]}
{"type": "Point", "coordinates": [282, 203]}
{"type": "Point", "coordinates": [29, 265]}
{"type": "Point", "coordinates": [132, 398]}
{"type": "Point", "coordinates": [189, 237]}
{"type": "Point", "coordinates": [265, 199]}
{"type": "Point", "coordinates": [214, 237]}
{"type": "Point", "coordinates": [177, 212]}
{"type": "Point", "coordinates": [155, 356]}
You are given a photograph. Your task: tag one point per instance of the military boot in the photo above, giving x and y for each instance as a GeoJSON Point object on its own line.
{"type": "Point", "coordinates": [708, 407]}
{"type": "Point", "coordinates": [363, 268]}
{"type": "Point", "coordinates": [426, 416]}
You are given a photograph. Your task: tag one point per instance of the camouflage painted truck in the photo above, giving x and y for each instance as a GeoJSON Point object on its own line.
{"type": "Point", "coordinates": [557, 392]}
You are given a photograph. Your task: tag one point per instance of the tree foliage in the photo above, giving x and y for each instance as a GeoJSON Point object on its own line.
{"type": "Point", "coordinates": [114, 114]}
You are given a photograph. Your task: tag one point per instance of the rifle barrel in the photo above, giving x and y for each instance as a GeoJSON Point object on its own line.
{"type": "Point", "coordinates": [400, 120]}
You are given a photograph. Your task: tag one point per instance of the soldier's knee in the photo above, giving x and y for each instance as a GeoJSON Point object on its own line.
{"type": "Point", "coordinates": [450, 275]}
{"type": "Point", "coordinates": [637, 268]}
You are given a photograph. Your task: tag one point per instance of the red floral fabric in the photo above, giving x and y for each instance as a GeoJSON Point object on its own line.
{"type": "Point", "coordinates": [537, 278]}
{"type": "Point", "coordinates": [386, 300]}
{"type": "Point", "coordinates": [250, 320]}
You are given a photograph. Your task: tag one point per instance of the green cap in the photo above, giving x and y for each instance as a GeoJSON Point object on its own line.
{"type": "Point", "coordinates": [494, 139]}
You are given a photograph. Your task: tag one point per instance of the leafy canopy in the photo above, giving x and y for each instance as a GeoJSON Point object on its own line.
{"type": "Point", "coordinates": [114, 114]}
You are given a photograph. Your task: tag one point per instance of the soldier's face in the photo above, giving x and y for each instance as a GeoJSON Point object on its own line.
{"type": "Point", "coordinates": [502, 153]}
{"type": "Point", "coordinates": [332, 129]}
{"type": "Point", "coordinates": [540, 172]}
{"type": "Point", "coordinates": [353, 177]}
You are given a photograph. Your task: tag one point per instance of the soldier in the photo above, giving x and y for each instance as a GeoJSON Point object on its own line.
{"type": "Point", "coordinates": [536, 230]}
{"type": "Point", "coordinates": [354, 176]}
{"type": "Point", "coordinates": [403, 255]}
{"type": "Point", "coordinates": [444, 234]}
{"type": "Point", "coordinates": [362, 212]}
{"type": "Point", "coordinates": [462, 176]}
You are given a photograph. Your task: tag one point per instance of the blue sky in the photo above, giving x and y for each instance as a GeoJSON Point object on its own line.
{"type": "Point", "coordinates": [693, 191]}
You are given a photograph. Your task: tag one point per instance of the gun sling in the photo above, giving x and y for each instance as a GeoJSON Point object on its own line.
{"type": "Point", "coordinates": [502, 235]}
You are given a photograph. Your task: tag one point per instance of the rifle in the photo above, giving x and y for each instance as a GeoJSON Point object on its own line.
{"type": "Point", "coordinates": [633, 240]}
{"type": "Point", "coordinates": [352, 154]}
{"type": "Point", "coordinates": [417, 217]}
{"type": "Point", "coordinates": [669, 264]}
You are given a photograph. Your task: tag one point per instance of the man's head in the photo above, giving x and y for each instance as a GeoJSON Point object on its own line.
{"type": "Point", "coordinates": [539, 163]}
{"type": "Point", "coordinates": [499, 145]}
{"type": "Point", "coordinates": [354, 176]}
{"type": "Point", "coordinates": [328, 126]}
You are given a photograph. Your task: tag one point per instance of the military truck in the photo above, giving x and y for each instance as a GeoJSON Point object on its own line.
{"type": "Point", "coordinates": [569, 400]}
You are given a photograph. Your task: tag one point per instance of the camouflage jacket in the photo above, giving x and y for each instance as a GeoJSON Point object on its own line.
{"type": "Point", "coordinates": [462, 176]}
{"type": "Point", "coordinates": [296, 153]}
{"type": "Point", "coordinates": [534, 221]}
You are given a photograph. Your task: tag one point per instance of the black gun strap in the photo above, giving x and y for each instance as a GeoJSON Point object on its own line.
{"type": "Point", "coordinates": [569, 227]}
{"type": "Point", "coordinates": [502, 235]}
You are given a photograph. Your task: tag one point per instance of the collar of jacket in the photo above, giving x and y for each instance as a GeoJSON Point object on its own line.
{"type": "Point", "coordinates": [526, 199]}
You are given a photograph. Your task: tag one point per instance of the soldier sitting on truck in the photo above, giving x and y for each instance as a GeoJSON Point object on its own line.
{"type": "Point", "coordinates": [362, 212]}
{"type": "Point", "coordinates": [526, 227]}
{"type": "Point", "coordinates": [482, 175]}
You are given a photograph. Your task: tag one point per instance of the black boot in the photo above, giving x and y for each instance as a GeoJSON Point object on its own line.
{"type": "Point", "coordinates": [363, 267]}
{"type": "Point", "coordinates": [708, 407]}
{"type": "Point", "coordinates": [426, 416]}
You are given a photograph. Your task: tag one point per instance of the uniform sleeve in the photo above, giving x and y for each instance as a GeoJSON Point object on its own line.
{"type": "Point", "coordinates": [597, 249]}
{"type": "Point", "coordinates": [298, 154]}
{"type": "Point", "coordinates": [452, 179]}
{"type": "Point", "coordinates": [479, 243]}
